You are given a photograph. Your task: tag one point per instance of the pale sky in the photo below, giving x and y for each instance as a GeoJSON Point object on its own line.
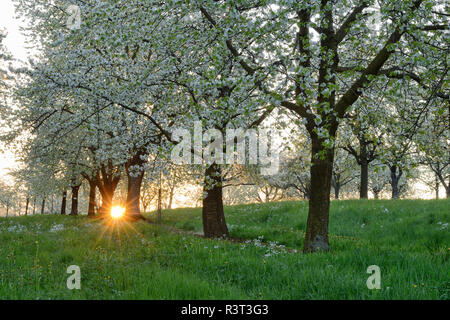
{"type": "Point", "coordinates": [15, 43]}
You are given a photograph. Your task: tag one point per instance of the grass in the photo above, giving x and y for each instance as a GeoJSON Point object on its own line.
{"type": "Point", "coordinates": [407, 239]}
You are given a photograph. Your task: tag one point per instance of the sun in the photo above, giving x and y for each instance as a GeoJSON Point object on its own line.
{"type": "Point", "coordinates": [117, 212]}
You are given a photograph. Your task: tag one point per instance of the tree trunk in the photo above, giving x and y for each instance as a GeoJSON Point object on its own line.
{"type": "Point", "coordinates": [306, 195]}
{"type": "Point", "coordinates": [364, 183]}
{"type": "Point", "coordinates": [436, 190]}
{"type": "Point", "coordinates": [26, 205]}
{"type": "Point", "coordinates": [214, 224]}
{"type": "Point", "coordinates": [444, 183]}
{"type": "Point", "coordinates": [107, 189]}
{"type": "Point", "coordinates": [92, 204]}
{"type": "Point", "coordinates": [364, 168]}
{"type": "Point", "coordinates": [395, 191]}
{"type": "Point", "coordinates": [159, 200]}
{"type": "Point", "coordinates": [34, 205]}
{"type": "Point", "coordinates": [107, 196]}
{"type": "Point", "coordinates": [43, 206]}
{"type": "Point", "coordinates": [376, 194]}
{"type": "Point", "coordinates": [394, 181]}
{"type": "Point", "coordinates": [316, 238]}
{"type": "Point", "coordinates": [7, 209]}
{"type": "Point", "coordinates": [133, 204]}
{"type": "Point", "coordinates": [337, 188]}
{"type": "Point", "coordinates": [64, 202]}
{"type": "Point", "coordinates": [74, 208]}
{"type": "Point", "coordinates": [107, 180]}
{"type": "Point", "coordinates": [133, 210]}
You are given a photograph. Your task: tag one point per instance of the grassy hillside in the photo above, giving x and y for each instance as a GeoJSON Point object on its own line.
{"type": "Point", "coordinates": [408, 239]}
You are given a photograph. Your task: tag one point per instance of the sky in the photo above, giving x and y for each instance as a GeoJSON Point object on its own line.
{"type": "Point", "coordinates": [15, 40]}
{"type": "Point", "coordinates": [15, 43]}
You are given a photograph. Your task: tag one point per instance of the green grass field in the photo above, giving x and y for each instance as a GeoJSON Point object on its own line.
{"type": "Point", "coordinates": [408, 239]}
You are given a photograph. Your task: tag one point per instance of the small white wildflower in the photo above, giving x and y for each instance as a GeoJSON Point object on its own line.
{"type": "Point", "coordinates": [57, 227]}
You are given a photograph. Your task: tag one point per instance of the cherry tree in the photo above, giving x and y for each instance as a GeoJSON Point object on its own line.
{"type": "Point", "coordinates": [433, 147]}
{"type": "Point", "coordinates": [379, 178]}
{"type": "Point", "coordinates": [343, 173]}
{"type": "Point", "coordinates": [316, 59]}
{"type": "Point", "coordinates": [361, 134]}
{"type": "Point", "coordinates": [229, 63]}
{"type": "Point", "coordinates": [104, 81]}
{"type": "Point", "coordinates": [6, 198]}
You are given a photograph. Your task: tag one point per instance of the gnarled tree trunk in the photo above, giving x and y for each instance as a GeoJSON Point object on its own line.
{"type": "Point", "coordinates": [107, 192]}
{"type": "Point", "coordinates": [395, 178]}
{"type": "Point", "coordinates": [364, 183]}
{"type": "Point", "coordinates": [316, 238]}
{"type": "Point", "coordinates": [364, 165]}
{"type": "Point", "coordinates": [43, 205]}
{"type": "Point", "coordinates": [107, 185]}
{"type": "Point", "coordinates": [337, 188]}
{"type": "Point", "coordinates": [64, 202]}
{"type": "Point", "coordinates": [92, 204]}
{"type": "Point", "coordinates": [436, 188]}
{"type": "Point", "coordinates": [441, 177]}
{"type": "Point", "coordinates": [26, 205]}
{"type": "Point", "coordinates": [133, 210]}
{"type": "Point", "coordinates": [214, 224]}
{"type": "Point", "coordinates": [74, 207]}
{"type": "Point", "coordinates": [133, 204]}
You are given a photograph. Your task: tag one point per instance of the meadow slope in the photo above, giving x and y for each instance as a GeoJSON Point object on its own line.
{"type": "Point", "coordinates": [408, 239]}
